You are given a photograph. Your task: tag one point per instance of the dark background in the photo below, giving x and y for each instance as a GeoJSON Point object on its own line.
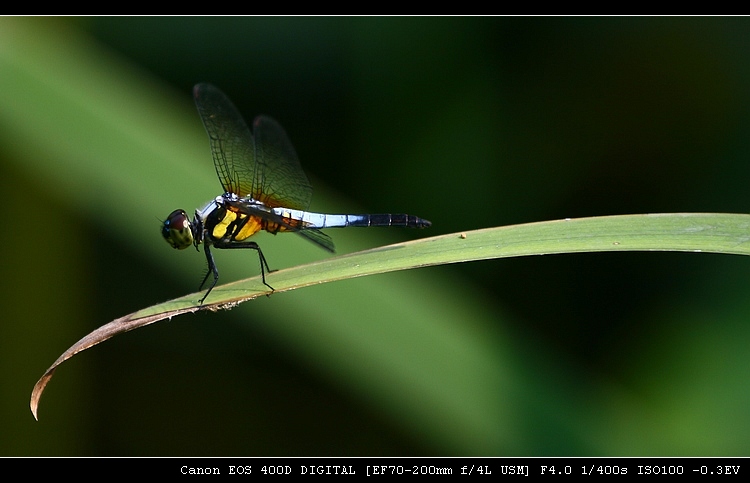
{"type": "Point", "coordinates": [468, 122]}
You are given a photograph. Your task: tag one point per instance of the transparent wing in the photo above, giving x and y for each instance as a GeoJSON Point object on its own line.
{"type": "Point", "coordinates": [232, 145]}
{"type": "Point", "coordinates": [277, 170]}
{"type": "Point", "coordinates": [263, 164]}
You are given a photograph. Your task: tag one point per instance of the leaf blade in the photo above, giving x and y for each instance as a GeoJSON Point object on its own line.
{"type": "Point", "coordinates": [687, 232]}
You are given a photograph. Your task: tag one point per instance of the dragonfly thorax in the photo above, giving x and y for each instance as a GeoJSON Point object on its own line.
{"type": "Point", "coordinates": [230, 218]}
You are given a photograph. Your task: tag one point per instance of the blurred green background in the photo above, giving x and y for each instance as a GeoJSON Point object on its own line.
{"type": "Point", "coordinates": [468, 122]}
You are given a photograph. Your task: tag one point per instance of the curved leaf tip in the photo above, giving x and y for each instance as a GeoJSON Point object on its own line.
{"type": "Point", "coordinates": [107, 331]}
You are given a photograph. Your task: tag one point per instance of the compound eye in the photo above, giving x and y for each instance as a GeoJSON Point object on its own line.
{"type": "Point", "coordinates": [177, 230]}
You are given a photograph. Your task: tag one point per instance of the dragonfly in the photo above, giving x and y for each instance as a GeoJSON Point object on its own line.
{"type": "Point", "coordinates": [264, 186]}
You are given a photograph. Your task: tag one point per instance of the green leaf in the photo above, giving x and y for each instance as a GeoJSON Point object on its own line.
{"type": "Point", "coordinates": [691, 232]}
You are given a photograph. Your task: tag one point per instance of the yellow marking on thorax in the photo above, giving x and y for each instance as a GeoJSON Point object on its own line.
{"type": "Point", "coordinates": [252, 226]}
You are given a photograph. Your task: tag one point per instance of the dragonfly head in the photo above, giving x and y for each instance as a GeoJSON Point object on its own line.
{"type": "Point", "coordinates": [178, 230]}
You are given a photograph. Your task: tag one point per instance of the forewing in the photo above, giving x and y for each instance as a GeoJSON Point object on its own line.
{"type": "Point", "coordinates": [232, 145]}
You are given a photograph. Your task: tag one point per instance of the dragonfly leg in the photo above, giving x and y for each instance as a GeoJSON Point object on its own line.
{"type": "Point", "coordinates": [250, 244]}
{"type": "Point", "coordinates": [211, 269]}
